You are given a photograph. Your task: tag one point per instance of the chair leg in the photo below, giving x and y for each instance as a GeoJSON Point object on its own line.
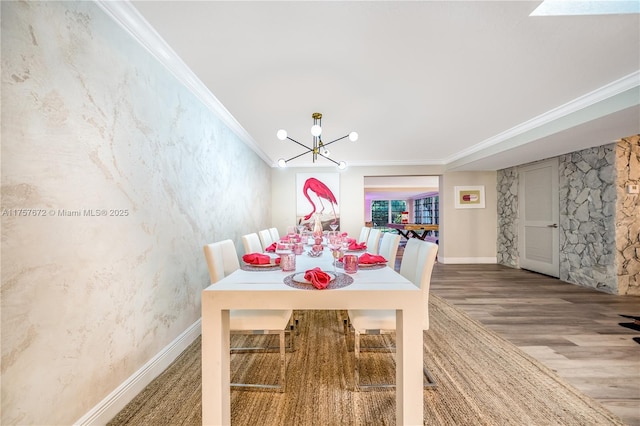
{"type": "Point", "coordinates": [281, 386]}
{"type": "Point", "coordinates": [283, 362]}
{"type": "Point", "coordinates": [356, 351]}
{"type": "Point", "coordinates": [429, 384]}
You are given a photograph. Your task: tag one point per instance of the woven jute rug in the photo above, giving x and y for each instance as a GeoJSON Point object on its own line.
{"type": "Point", "coordinates": [482, 380]}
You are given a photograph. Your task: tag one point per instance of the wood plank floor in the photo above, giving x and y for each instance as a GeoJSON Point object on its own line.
{"type": "Point", "coordinates": [573, 330]}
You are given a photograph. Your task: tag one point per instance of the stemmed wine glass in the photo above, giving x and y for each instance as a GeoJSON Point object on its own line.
{"type": "Point", "coordinates": [335, 244]}
{"type": "Point", "coordinates": [333, 226]}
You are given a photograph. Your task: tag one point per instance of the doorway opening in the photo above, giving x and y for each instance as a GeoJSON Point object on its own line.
{"type": "Point", "coordinates": [400, 204]}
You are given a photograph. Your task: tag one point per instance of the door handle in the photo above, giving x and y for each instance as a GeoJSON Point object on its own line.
{"type": "Point", "coordinates": [555, 225]}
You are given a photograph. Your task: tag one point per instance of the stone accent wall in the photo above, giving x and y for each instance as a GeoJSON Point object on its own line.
{"type": "Point", "coordinates": [627, 214]}
{"type": "Point", "coordinates": [507, 242]}
{"type": "Point", "coordinates": [587, 218]}
{"type": "Point", "coordinates": [599, 221]}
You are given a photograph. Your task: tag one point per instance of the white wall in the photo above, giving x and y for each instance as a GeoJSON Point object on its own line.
{"type": "Point", "coordinates": [469, 238]}
{"type": "Point", "coordinates": [91, 121]}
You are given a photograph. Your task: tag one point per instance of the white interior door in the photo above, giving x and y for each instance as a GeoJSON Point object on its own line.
{"type": "Point", "coordinates": [538, 234]}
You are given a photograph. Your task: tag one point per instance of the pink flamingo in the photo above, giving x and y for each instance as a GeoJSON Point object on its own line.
{"type": "Point", "coordinates": [322, 191]}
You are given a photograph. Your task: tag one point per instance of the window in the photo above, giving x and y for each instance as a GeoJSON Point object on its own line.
{"type": "Point", "coordinates": [397, 207]}
{"type": "Point", "coordinates": [426, 210]}
{"type": "Point", "coordinates": [387, 211]}
{"type": "Point", "coordinates": [380, 213]}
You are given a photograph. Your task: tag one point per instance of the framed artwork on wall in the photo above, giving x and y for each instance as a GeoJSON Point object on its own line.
{"type": "Point", "coordinates": [469, 197]}
{"type": "Point", "coordinates": [318, 193]}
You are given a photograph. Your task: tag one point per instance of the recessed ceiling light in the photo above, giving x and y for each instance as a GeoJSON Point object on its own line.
{"type": "Point", "coordinates": [579, 7]}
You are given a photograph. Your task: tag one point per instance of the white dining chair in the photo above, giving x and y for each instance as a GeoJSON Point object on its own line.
{"type": "Point", "coordinates": [417, 264]}
{"type": "Point", "coordinates": [275, 235]}
{"type": "Point", "coordinates": [222, 260]}
{"type": "Point", "coordinates": [389, 247]}
{"type": "Point", "coordinates": [373, 240]}
{"type": "Point", "coordinates": [265, 238]}
{"type": "Point", "coordinates": [364, 234]}
{"type": "Point", "coordinates": [251, 243]}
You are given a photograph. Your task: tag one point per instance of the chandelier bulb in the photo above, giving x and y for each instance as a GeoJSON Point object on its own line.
{"type": "Point", "coordinates": [318, 147]}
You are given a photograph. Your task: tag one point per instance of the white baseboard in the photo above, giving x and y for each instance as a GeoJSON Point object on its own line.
{"type": "Point", "coordinates": [461, 260]}
{"type": "Point", "coordinates": [106, 409]}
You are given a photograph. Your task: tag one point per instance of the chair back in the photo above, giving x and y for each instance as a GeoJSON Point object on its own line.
{"type": "Point", "coordinates": [373, 240]}
{"type": "Point", "coordinates": [389, 247]}
{"type": "Point", "coordinates": [275, 235]}
{"type": "Point", "coordinates": [364, 234]}
{"type": "Point", "coordinates": [409, 263]}
{"type": "Point", "coordinates": [222, 259]}
{"type": "Point", "coordinates": [252, 243]}
{"type": "Point", "coordinates": [416, 266]}
{"type": "Point", "coordinates": [265, 238]}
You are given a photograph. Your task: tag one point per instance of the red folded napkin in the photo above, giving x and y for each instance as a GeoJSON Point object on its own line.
{"type": "Point", "coordinates": [369, 258]}
{"type": "Point", "coordinates": [317, 277]}
{"type": "Point", "coordinates": [357, 246]}
{"type": "Point", "coordinates": [257, 259]}
{"type": "Point", "coordinates": [272, 248]}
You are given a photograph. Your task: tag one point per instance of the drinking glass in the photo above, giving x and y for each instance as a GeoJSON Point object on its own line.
{"type": "Point", "coordinates": [283, 248]}
{"type": "Point", "coordinates": [333, 227]}
{"type": "Point", "coordinates": [350, 263]}
{"type": "Point", "coordinates": [288, 262]}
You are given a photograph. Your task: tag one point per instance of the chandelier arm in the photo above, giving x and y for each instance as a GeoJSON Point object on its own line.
{"type": "Point", "coordinates": [335, 140]}
{"type": "Point", "coordinates": [301, 144]}
{"type": "Point", "coordinates": [332, 160]}
{"type": "Point", "coordinates": [299, 155]}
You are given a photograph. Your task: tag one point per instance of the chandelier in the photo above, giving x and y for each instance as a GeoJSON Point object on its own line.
{"type": "Point", "coordinates": [319, 147]}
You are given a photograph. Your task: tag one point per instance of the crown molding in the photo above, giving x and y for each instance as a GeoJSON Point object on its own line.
{"type": "Point", "coordinates": [130, 19]}
{"type": "Point", "coordinates": [581, 103]}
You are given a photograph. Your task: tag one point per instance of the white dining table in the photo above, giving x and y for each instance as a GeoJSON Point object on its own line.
{"type": "Point", "coordinates": [371, 289]}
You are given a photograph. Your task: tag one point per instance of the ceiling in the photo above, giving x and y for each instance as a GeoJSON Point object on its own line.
{"type": "Point", "coordinates": [476, 85]}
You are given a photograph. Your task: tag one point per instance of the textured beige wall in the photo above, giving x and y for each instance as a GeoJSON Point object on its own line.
{"type": "Point", "coordinates": [92, 124]}
{"type": "Point", "coordinates": [468, 235]}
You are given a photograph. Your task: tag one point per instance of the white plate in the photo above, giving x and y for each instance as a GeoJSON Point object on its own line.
{"type": "Point", "coordinates": [299, 278]}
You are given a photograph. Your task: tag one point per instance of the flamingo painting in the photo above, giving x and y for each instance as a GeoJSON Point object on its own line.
{"type": "Point", "coordinates": [322, 191]}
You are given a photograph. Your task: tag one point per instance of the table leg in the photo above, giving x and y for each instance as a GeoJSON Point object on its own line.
{"type": "Point", "coordinates": [216, 393]}
{"type": "Point", "coordinates": [419, 236]}
{"type": "Point", "coordinates": [404, 234]}
{"type": "Point", "coordinates": [409, 366]}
